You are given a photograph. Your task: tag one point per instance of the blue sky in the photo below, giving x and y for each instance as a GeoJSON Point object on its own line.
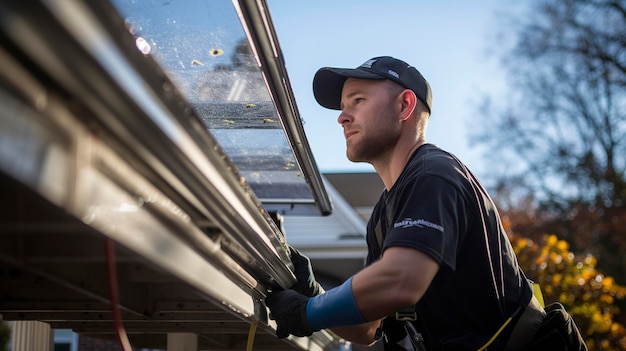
{"type": "Point", "coordinates": [448, 41]}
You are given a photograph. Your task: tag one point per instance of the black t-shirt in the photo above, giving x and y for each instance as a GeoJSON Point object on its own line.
{"type": "Point", "coordinates": [438, 207]}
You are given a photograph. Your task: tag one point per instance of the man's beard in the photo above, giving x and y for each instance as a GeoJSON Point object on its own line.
{"type": "Point", "coordinates": [372, 148]}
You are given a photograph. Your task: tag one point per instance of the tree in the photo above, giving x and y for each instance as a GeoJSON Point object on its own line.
{"type": "Point", "coordinates": [562, 128]}
{"type": "Point", "coordinates": [574, 281]}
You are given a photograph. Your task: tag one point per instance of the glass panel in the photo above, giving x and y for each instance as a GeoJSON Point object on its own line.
{"type": "Point", "coordinates": [203, 48]}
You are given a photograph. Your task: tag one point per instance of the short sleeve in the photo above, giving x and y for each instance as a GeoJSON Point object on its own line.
{"type": "Point", "coordinates": [429, 215]}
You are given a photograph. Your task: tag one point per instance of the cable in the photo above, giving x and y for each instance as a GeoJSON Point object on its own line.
{"type": "Point", "coordinates": [251, 335]}
{"type": "Point", "coordinates": [113, 291]}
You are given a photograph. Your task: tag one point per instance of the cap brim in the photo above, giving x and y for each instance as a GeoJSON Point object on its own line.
{"type": "Point", "coordinates": [328, 84]}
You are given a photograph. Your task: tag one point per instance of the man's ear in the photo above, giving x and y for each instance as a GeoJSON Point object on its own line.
{"type": "Point", "coordinates": [409, 102]}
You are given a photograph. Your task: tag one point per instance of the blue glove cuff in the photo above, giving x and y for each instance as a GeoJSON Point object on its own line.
{"type": "Point", "coordinates": [336, 307]}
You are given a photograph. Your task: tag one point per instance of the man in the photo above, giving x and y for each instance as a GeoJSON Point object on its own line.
{"type": "Point", "coordinates": [437, 252]}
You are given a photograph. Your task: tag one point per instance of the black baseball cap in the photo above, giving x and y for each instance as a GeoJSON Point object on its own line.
{"type": "Point", "coordinates": [328, 81]}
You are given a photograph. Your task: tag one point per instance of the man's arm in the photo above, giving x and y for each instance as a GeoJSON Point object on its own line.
{"type": "Point", "coordinates": [363, 334]}
{"type": "Point", "coordinates": [396, 281]}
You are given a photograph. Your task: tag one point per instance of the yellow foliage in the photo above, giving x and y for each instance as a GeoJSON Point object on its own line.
{"type": "Point", "coordinates": [551, 241]}
{"type": "Point", "coordinates": [608, 282]}
{"type": "Point", "coordinates": [562, 245]}
{"type": "Point", "coordinates": [575, 281]}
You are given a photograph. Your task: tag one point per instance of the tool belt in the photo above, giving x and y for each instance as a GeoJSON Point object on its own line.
{"type": "Point", "coordinates": [524, 330]}
{"type": "Point", "coordinates": [546, 329]}
{"type": "Point", "coordinates": [558, 331]}
{"type": "Point", "coordinates": [533, 328]}
{"type": "Point", "coordinates": [526, 327]}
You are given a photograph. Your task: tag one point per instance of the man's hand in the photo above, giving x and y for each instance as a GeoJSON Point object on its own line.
{"type": "Point", "coordinates": [288, 308]}
{"type": "Point", "coordinates": [306, 284]}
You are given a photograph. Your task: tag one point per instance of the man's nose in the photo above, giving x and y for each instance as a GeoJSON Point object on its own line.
{"type": "Point", "coordinates": [343, 118]}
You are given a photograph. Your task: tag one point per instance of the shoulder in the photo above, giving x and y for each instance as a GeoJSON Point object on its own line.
{"type": "Point", "coordinates": [434, 173]}
{"type": "Point", "coordinates": [431, 160]}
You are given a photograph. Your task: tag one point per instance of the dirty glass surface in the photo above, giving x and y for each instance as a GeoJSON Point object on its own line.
{"type": "Point", "coordinates": [202, 47]}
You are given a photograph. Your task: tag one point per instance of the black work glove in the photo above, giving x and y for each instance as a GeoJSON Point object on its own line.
{"type": "Point", "coordinates": [306, 284]}
{"type": "Point", "coordinates": [288, 308]}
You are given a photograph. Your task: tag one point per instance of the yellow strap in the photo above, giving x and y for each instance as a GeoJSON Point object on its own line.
{"type": "Point", "coordinates": [484, 347]}
{"type": "Point", "coordinates": [251, 335]}
{"type": "Point", "coordinates": [537, 293]}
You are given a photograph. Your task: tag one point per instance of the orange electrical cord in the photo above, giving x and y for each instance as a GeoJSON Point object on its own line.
{"type": "Point", "coordinates": [117, 316]}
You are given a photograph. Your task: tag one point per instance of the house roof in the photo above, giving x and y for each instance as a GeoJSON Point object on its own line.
{"type": "Point", "coordinates": [359, 189]}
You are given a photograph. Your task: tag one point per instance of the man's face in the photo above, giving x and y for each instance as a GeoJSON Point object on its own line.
{"type": "Point", "coordinates": [369, 112]}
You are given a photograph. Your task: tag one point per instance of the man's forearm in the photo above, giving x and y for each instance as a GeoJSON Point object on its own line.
{"type": "Point", "coordinates": [363, 334]}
